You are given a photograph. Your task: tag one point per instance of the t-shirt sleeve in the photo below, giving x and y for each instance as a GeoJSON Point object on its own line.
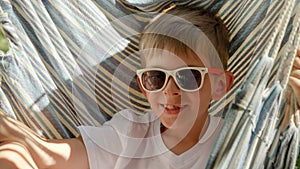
{"type": "Point", "coordinates": [105, 144]}
{"type": "Point", "coordinates": [116, 140]}
{"type": "Point", "coordinates": [102, 145]}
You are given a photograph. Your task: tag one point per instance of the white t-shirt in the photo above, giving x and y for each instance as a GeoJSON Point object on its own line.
{"type": "Point", "coordinates": [130, 141]}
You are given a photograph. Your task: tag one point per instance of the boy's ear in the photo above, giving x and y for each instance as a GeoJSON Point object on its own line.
{"type": "Point", "coordinates": [140, 86]}
{"type": "Point", "coordinates": [222, 85]}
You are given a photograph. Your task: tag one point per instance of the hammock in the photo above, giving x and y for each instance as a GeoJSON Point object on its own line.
{"type": "Point", "coordinates": [73, 63]}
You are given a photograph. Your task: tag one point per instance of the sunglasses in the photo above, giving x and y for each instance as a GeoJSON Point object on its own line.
{"type": "Point", "coordinates": [188, 79]}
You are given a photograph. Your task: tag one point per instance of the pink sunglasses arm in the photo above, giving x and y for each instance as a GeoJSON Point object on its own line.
{"type": "Point", "coordinates": [215, 71]}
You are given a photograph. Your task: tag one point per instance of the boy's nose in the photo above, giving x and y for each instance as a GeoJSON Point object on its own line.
{"type": "Point", "coordinates": [171, 88]}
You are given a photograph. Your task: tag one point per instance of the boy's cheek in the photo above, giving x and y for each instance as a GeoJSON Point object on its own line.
{"type": "Point", "coordinates": [147, 96]}
{"type": "Point", "coordinates": [150, 97]}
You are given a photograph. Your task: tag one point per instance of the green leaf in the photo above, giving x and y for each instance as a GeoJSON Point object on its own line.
{"type": "Point", "coordinates": [3, 41]}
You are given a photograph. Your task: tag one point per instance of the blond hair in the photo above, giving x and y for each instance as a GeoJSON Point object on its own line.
{"type": "Point", "coordinates": [182, 29]}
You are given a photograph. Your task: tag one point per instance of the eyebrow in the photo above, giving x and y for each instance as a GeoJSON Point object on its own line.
{"type": "Point", "coordinates": [195, 66]}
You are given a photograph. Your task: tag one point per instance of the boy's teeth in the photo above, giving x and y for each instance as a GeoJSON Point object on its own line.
{"type": "Point", "coordinates": [170, 107]}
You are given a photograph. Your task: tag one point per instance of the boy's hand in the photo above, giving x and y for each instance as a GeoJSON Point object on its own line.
{"type": "Point", "coordinates": [294, 80]}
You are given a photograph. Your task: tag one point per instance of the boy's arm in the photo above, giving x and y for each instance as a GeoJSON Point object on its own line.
{"type": "Point", "coordinates": [67, 153]}
{"type": "Point", "coordinates": [294, 80]}
{"type": "Point", "coordinates": [60, 153]}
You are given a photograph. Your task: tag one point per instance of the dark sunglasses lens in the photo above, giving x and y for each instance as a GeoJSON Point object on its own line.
{"type": "Point", "coordinates": [153, 80]}
{"type": "Point", "coordinates": [189, 79]}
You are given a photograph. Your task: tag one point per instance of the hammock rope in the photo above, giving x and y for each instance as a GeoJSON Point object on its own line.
{"type": "Point", "coordinates": [72, 63]}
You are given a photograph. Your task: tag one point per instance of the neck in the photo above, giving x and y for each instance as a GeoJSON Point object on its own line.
{"type": "Point", "coordinates": [180, 140]}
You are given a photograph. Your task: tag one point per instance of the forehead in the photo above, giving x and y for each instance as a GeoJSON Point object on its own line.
{"type": "Point", "coordinates": [160, 48]}
{"type": "Point", "coordinates": [170, 59]}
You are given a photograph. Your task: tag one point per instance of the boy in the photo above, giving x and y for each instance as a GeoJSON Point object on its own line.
{"type": "Point", "coordinates": [182, 72]}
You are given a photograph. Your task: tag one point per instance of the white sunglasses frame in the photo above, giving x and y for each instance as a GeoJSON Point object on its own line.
{"type": "Point", "coordinates": [202, 70]}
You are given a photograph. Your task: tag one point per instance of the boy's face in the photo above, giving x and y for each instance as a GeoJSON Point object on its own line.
{"type": "Point", "coordinates": [174, 107]}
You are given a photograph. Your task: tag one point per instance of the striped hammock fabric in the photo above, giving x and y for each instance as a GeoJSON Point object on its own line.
{"type": "Point", "coordinates": [73, 63]}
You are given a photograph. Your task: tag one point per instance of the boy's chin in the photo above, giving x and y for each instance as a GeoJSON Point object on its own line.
{"type": "Point", "coordinates": [175, 125]}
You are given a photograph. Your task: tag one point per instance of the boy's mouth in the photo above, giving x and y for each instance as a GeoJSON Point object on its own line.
{"type": "Point", "coordinates": [172, 109]}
